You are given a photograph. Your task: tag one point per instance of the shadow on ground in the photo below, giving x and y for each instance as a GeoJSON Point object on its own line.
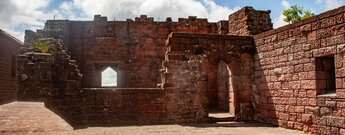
{"type": "Point", "coordinates": [34, 118]}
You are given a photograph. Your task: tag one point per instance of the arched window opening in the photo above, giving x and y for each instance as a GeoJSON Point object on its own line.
{"type": "Point", "coordinates": [109, 77]}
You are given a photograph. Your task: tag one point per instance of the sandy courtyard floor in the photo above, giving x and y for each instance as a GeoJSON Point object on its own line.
{"type": "Point", "coordinates": [22, 118]}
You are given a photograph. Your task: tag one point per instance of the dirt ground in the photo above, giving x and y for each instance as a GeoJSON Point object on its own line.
{"type": "Point", "coordinates": [33, 118]}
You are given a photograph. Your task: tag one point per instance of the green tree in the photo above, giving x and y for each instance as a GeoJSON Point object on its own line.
{"type": "Point", "coordinates": [296, 13]}
{"type": "Point", "coordinates": [307, 14]}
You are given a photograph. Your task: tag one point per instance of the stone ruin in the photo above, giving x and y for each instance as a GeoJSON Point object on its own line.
{"type": "Point", "coordinates": [171, 72]}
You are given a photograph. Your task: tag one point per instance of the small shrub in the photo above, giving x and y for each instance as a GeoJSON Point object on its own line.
{"type": "Point", "coordinates": [43, 47]}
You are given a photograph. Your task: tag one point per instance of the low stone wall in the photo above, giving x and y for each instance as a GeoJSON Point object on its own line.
{"type": "Point", "coordinates": [128, 106]}
{"type": "Point", "coordinates": [112, 106]}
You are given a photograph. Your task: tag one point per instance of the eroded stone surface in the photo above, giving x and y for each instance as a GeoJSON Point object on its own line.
{"type": "Point", "coordinates": [307, 54]}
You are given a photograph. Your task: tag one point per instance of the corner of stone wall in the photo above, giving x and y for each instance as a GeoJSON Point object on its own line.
{"type": "Point", "coordinates": [186, 76]}
{"type": "Point", "coordinates": [53, 77]}
{"type": "Point", "coordinates": [34, 76]}
{"type": "Point", "coordinates": [248, 21]}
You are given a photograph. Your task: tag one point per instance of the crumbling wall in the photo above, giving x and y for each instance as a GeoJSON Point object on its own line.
{"type": "Point", "coordinates": [287, 79]}
{"type": "Point", "coordinates": [187, 69]}
{"type": "Point", "coordinates": [135, 48]}
{"type": "Point", "coordinates": [64, 97]}
{"type": "Point", "coordinates": [287, 74]}
{"type": "Point", "coordinates": [34, 76]}
{"type": "Point", "coordinates": [9, 49]}
{"type": "Point", "coordinates": [51, 77]}
{"type": "Point", "coordinates": [249, 21]}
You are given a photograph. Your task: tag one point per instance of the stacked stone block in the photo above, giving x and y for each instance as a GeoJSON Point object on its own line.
{"type": "Point", "coordinates": [249, 21]}
{"type": "Point", "coordinates": [287, 74]}
{"type": "Point", "coordinates": [34, 76]}
{"type": "Point", "coordinates": [132, 47]}
{"type": "Point", "coordinates": [51, 77]}
{"type": "Point", "coordinates": [123, 106]}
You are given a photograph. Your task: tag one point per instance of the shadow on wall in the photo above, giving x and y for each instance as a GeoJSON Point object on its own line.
{"type": "Point", "coordinates": [264, 105]}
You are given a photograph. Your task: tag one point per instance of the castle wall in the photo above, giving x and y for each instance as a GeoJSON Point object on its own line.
{"type": "Point", "coordinates": [293, 67]}
{"type": "Point", "coordinates": [135, 49]}
{"type": "Point", "coordinates": [297, 82]}
{"type": "Point", "coordinates": [9, 48]}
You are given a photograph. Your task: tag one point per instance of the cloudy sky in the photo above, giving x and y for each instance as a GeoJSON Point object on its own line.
{"type": "Point", "coordinates": [109, 77]}
{"type": "Point", "coordinates": [18, 15]}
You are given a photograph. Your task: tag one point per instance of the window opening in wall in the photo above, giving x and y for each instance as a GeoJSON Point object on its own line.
{"type": "Point", "coordinates": [325, 75]}
{"type": "Point", "coordinates": [13, 66]}
{"type": "Point", "coordinates": [109, 77]}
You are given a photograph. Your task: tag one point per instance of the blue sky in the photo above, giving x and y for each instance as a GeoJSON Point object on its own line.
{"type": "Point", "coordinates": [18, 15]}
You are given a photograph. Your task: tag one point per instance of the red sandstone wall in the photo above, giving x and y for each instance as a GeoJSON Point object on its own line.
{"type": "Point", "coordinates": [134, 48]}
{"type": "Point", "coordinates": [107, 106]}
{"type": "Point", "coordinates": [34, 72]}
{"type": "Point", "coordinates": [9, 48]}
{"type": "Point", "coordinates": [249, 21]}
{"type": "Point", "coordinates": [190, 67]}
{"type": "Point", "coordinates": [286, 75]}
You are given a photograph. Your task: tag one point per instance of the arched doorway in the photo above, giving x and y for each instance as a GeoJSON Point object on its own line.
{"type": "Point", "coordinates": [221, 92]}
{"type": "Point", "coordinates": [203, 53]}
{"type": "Point", "coordinates": [225, 92]}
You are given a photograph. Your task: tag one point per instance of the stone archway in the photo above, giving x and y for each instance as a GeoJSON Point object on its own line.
{"type": "Point", "coordinates": [190, 68]}
{"type": "Point", "coordinates": [221, 94]}
{"type": "Point", "coordinates": [224, 77]}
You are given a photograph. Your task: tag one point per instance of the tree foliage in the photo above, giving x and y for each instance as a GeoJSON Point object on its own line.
{"type": "Point", "coordinates": [296, 13]}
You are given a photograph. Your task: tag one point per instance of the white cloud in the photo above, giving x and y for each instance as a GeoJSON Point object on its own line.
{"type": "Point", "coordinates": [279, 22]}
{"type": "Point", "coordinates": [109, 77]}
{"type": "Point", "coordinates": [22, 13]}
{"type": "Point", "coordinates": [285, 4]}
{"type": "Point", "coordinates": [330, 4]}
{"type": "Point", "coordinates": [217, 12]}
{"type": "Point", "coordinates": [17, 15]}
{"type": "Point", "coordinates": [124, 9]}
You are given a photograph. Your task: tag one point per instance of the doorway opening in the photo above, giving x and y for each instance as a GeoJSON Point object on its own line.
{"type": "Point", "coordinates": [223, 109]}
